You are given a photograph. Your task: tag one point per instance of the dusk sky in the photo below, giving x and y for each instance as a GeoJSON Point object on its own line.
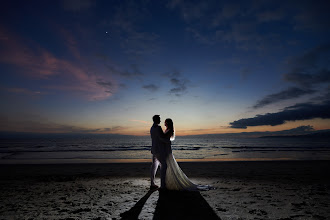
{"type": "Point", "coordinates": [81, 66]}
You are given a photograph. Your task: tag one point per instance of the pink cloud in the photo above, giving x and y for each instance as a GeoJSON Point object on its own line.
{"type": "Point", "coordinates": [70, 41]}
{"type": "Point", "coordinates": [42, 64]}
{"type": "Point", "coordinates": [140, 121]}
{"type": "Point", "coordinates": [22, 91]}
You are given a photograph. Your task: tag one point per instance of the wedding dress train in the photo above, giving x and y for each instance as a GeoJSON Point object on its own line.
{"type": "Point", "coordinates": [176, 179]}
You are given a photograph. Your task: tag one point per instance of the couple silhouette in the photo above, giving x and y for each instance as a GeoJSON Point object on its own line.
{"type": "Point", "coordinates": [179, 198]}
{"type": "Point", "coordinates": [171, 175]}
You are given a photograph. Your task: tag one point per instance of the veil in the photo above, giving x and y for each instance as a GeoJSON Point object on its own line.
{"type": "Point", "coordinates": [172, 138]}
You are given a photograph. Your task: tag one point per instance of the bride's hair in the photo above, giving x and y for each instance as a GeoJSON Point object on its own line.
{"type": "Point", "coordinates": [170, 128]}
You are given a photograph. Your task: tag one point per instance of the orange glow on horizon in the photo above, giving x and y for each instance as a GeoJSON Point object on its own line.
{"type": "Point", "coordinates": [141, 128]}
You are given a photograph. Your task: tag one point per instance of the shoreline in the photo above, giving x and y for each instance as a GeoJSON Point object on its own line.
{"type": "Point", "coordinates": [106, 161]}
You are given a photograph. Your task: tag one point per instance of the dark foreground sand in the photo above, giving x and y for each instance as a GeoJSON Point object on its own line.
{"type": "Point", "coordinates": [244, 190]}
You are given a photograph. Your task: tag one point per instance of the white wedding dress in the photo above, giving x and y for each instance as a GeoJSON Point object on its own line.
{"type": "Point", "coordinates": [175, 178]}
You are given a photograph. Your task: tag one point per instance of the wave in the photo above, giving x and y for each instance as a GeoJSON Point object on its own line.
{"type": "Point", "coordinates": [273, 147]}
{"type": "Point", "coordinates": [190, 148]}
{"type": "Point", "coordinates": [77, 150]}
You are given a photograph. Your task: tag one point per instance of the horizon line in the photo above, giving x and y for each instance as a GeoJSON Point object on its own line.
{"type": "Point", "coordinates": [3, 133]}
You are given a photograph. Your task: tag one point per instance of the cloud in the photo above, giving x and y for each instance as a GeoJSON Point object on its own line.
{"type": "Point", "coordinates": [179, 88]}
{"type": "Point", "coordinates": [296, 112]}
{"type": "Point", "coordinates": [132, 73]}
{"type": "Point", "coordinates": [140, 121]}
{"type": "Point", "coordinates": [76, 5]}
{"type": "Point", "coordinates": [251, 25]}
{"type": "Point", "coordinates": [271, 15]}
{"type": "Point", "coordinates": [217, 22]}
{"type": "Point", "coordinates": [245, 36]}
{"type": "Point", "coordinates": [24, 91]}
{"type": "Point", "coordinates": [178, 82]}
{"type": "Point", "coordinates": [40, 125]}
{"type": "Point", "coordinates": [310, 58]}
{"type": "Point", "coordinates": [140, 43]}
{"type": "Point", "coordinates": [151, 87]}
{"type": "Point", "coordinates": [308, 79]}
{"type": "Point", "coordinates": [189, 10]}
{"type": "Point", "coordinates": [290, 93]}
{"type": "Point", "coordinates": [97, 130]}
{"type": "Point", "coordinates": [300, 130]}
{"type": "Point", "coordinates": [311, 68]}
{"type": "Point", "coordinates": [307, 72]}
{"type": "Point", "coordinates": [105, 84]}
{"type": "Point", "coordinates": [312, 17]}
{"type": "Point", "coordinates": [201, 37]}
{"type": "Point", "coordinates": [297, 130]}
{"type": "Point", "coordinates": [39, 63]}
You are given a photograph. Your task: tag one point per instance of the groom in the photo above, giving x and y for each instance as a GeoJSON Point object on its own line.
{"type": "Point", "coordinates": [158, 157]}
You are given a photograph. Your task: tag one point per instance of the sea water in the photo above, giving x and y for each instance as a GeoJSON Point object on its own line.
{"type": "Point", "coordinates": [204, 148]}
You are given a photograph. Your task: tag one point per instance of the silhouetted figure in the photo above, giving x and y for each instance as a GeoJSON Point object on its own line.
{"type": "Point", "coordinates": [158, 157]}
{"type": "Point", "coordinates": [175, 179]}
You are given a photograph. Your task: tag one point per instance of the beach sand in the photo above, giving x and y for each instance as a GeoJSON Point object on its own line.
{"type": "Point", "coordinates": [244, 190]}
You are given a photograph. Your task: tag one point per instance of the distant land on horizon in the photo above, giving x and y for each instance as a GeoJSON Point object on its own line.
{"type": "Point", "coordinates": [322, 134]}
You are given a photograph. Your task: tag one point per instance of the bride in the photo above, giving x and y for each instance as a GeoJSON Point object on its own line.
{"type": "Point", "coordinates": [175, 178]}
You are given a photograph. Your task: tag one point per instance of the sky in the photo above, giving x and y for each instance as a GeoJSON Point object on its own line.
{"type": "Point", "coordinates": [82, 66]}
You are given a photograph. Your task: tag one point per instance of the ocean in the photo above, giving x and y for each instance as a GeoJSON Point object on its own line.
{"type": "Point", "coordinates": [96, 148]}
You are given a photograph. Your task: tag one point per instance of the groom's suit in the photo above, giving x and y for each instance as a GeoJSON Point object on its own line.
{"type": "Point", "coordinates": [158, 156]}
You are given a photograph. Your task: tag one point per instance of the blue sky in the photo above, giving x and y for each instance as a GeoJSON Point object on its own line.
{"type": "Point", "coordinates": [211, 66]}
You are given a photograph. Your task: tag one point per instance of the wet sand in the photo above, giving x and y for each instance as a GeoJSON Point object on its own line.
{"type": "Point", "coordinates": [244, 190]}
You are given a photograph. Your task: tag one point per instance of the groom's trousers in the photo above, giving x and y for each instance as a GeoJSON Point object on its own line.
{"type": "Point", "coordinates": [154, 166]}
